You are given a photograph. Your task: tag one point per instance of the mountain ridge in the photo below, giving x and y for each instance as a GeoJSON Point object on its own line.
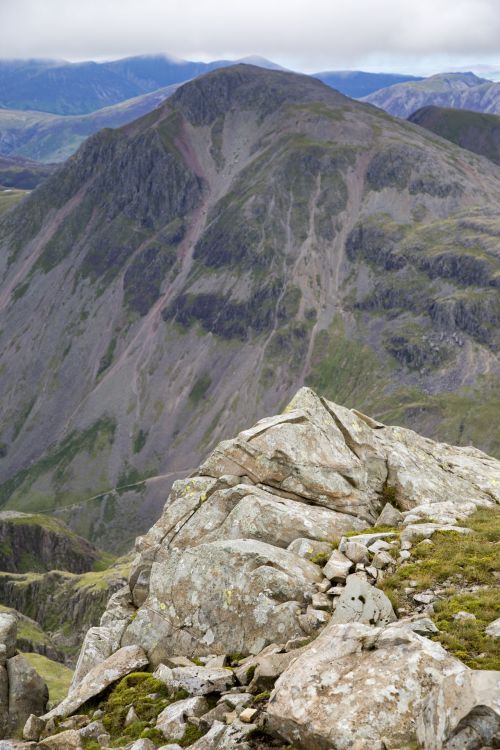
{"type": "Point", "coordinates": [476, 131]}
{"type": "Point", "coordinates": [456, 90]}
{"type": "Point", "coordinates": [257, 230]}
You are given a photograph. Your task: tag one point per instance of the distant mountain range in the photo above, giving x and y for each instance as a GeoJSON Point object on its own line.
{"type": "Point", "coordinates": [475, 131]}
{"type": "Point", "coordinates": [64, 88]}
{"type": "Point", "coordinates": [52, 138]}
{"type": "Point", "coordinates": [357, 83]}
{"type": "Point", "coordinates": [456, 90]}
{"type": "Point", "coordinates": [79, 88]}
{"type": "Point", "coordinates": [48, 108]}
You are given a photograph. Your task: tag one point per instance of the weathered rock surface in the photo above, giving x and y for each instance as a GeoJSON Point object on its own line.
{"type": "Point", "coordinates": [493, 629]}
{"type": "Point", "coordinates": [68, 740]}
{"type": "Point", "coordinates": [122, 662]}
{"type": "Point", "coordinates": [100, 642]}
{"type": "Point", "coordinates": [196, 680]}
{"type": "Point", "coordinates": [33, 728]}
{"type": "Point", "coordinates": [462, 711]}
{"type": "Point", "coordinates": [361, 602]}
{"type": "Point", "coordinates": [338, 566]}
{"type": "Point", "coordinates": [390, 516]}
{"type": "Point", "coordinates": [8, 636]}
{"type": "Point", "coordinates": [28, 693]}
{"type": "Point", "coordinates": [172, 721]}
{"type": "Point", "coordinates": [223, 597]}
{"type": "Point", "coordinates": [357, 684]}
{"type": "Point", "coordinates": [224, 568]}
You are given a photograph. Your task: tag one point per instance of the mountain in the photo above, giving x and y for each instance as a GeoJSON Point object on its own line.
{"type": "Point", "coordinates": [357, 83]}
{"type": "Point", "coordinates": [53, 138]}
{"type": "Point", "coordinates": [180, 277]}
{"type": "Point", "coordinates": [62, 87]}
{"type": "Point", "coordinates": [66, 88]}
{"type": "Point", "coordinates": [475, 131]}
{"type": "Point", "coordinates": [456, 90]}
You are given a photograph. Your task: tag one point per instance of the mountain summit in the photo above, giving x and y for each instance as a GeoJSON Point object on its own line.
{"type": "Point", "coordinates": [257, 231]}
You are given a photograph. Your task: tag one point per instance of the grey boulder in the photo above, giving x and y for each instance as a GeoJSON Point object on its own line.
{"type": "Point", "coordinates": [28, 693]}
{"type": "Point", "coordinates": [462, 711]}
{"type": "Point", "coordinates": [357, 684]}
{"type": "Point", "coordinates": [361, 602]}
{"type": "Point", "coordinates": [223, 597]}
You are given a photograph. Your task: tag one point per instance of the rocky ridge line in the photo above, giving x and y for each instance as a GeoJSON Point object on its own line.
{"type": "Point", "coordinates": [242, 559]}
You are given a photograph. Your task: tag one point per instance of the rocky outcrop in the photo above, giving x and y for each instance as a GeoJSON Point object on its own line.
{"type": "Point", "coordinates": [30, 543]}
{"type": "Point", "coordinates": [461, 711]}
{"type": "Point", "coordinates": [22, 690]}
{"type": "Point", "coordinates": [219, 572]}
{"type": "Point", "coordinates": [269, 550]}
{"type": "Point", "coordinates": [31, 637]}
{"type": "Point", "coordinates": [122, 662]}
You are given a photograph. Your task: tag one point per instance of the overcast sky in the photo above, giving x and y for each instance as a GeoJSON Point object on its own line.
{"type": "Point", "coordinates": [310, 35]}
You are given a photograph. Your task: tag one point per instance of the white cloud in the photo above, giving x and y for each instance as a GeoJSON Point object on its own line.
{"type": "Point", "coordinates": [305, 34]}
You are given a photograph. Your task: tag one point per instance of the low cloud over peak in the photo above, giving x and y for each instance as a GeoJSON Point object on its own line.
{"type": "Point", "coordinates": [317, 34]}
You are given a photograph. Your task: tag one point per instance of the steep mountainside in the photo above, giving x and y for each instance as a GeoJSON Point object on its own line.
{"type": "Point", "coordinates": [475, 131]}
{"type": "Point", "coordinates": [357, 83]}
{"type": "Point", "coordinates": [257, 231]}
{"type": "Point", "coordinates": [30, 543]}
{"type": "Point", "coordinates": [53, 138]}
{"type": "Point", "coordinates": [456, 90]}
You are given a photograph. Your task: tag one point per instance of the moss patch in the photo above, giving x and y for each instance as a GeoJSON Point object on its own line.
{"type": "Point", "coordinates": [467, 639]}
{"type": "Point", "coordinates": [148, 696]}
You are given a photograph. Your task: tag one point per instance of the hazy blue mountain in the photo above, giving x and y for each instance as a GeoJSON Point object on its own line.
{"type": "Point", "coordinates": [456, 90]}
{"type": "Point", "coordinates": [357, 83]}
{"type": "Point", "coordinates": [53, 138]}
{"type": "Point", "coordinates": [62, 87]}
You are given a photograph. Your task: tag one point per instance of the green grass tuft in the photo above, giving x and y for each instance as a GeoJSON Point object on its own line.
{"type": "Point", "coordinates": [465, 565]}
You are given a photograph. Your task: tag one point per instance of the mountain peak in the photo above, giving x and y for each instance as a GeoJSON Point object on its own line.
{"type": "Point", "coordinates": [247, 87]}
